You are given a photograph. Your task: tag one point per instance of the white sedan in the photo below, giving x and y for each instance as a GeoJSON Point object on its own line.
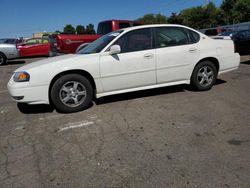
{"type": "Point", "coordinates": [127, 60]}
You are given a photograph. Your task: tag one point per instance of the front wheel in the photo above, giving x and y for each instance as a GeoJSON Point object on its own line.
{"type": "Point", "coordinates": [71, 93]}
{"type": "Point", "coordinates": [204, 76]}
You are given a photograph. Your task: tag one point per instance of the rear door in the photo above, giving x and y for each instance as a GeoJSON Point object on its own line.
{"type": "Point", "coordinates": [44, 47]}
{"type": "Point", "coordinates": [175, 54]}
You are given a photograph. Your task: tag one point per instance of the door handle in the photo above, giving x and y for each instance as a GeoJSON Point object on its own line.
{"type": "Point", "coordinates": [148, 56]}
{"type": "Point", "coordinates": [192, 50]}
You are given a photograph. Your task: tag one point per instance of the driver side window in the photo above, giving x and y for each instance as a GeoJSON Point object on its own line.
{"type": "Point", "coordinates": [31, 41]}
{"type": "Point", "coordinates": [136, 40]}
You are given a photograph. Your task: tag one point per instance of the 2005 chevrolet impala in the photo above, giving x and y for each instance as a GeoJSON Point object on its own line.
{"type": "Point", "coordinates": [126, 60]}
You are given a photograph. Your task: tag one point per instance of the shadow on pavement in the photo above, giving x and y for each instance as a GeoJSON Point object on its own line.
{"type": "Point", "coordinates": [15, 62]}
{"type": "Point", "coordinates": [39, 108]}
{"type": "Point", "coordinates": [246, 62]}
{"type": "Point", "coordinates": [34, 109]}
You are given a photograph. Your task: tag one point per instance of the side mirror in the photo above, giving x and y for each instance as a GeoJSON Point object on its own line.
{"type": "Point", "coordinates": [115, 49]}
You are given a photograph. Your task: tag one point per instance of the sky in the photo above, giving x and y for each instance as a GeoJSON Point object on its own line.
{"type": "Point", "coordinates": [22, 18]}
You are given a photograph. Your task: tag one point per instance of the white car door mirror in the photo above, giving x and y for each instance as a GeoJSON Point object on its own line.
{"type": "Point", "coordinates": [115, 49]}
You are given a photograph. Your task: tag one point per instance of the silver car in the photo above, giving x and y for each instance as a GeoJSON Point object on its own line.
{"type": "Point", "coordinates": [8, 51]}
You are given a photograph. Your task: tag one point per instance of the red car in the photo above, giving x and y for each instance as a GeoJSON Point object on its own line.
{"type": "Point", "coordinates": [34, 47]}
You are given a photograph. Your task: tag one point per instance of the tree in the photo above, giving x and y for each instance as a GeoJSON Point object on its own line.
{"type": "Point", "coordinates": [227, 7]}
{"type": "Point", "coordinates": [201, 16]}
{"type": "Point", "coordinates": [90, 29]}
{"type": "Point", "coordinates": [80, 29]}
{"type": "Point", "coordinates": [153, 19]}
{"type": "Point", "coordinates": [160, 19]}
{"type": "Point", "coordinates": [241, 11]}
{"type": "Point", "coordinates": [175, 18]}
{"type": "Point", "coordinates": [194, 17]}
{"type": "Point", "coordinates": [69, 29]}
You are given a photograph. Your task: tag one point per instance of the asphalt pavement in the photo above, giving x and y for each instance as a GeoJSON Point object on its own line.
{"type": "Point", "coordinates": [167, 137]}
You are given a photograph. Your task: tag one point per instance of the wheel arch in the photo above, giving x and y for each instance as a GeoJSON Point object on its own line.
{"type": "Point", "coordinates": [3, 54]}
{"type": "Point", "coordinates": [213, 60]}
{"type": "Point", "coordinates": [75, 71]}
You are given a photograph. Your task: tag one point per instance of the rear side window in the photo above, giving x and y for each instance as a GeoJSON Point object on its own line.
{"type": "Point", "coordinates": [124, 25]}
{"type": "Point", "coordinates": [31, 41]}
{"type": "Point", "coordinates": [104, 28]}
{"type": "Point", "coordinates": [136, 40]}
{"type": "Point", "coordinates": [170, 36]}
{"type": "Point", "coordinates": [137, 24]}
{"type": "Point", "coordinates": [193, 36]}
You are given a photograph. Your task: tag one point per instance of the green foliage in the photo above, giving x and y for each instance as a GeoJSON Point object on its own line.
{"type": "Point", "coordinates": [175, 18]}
{"type": "Point", "coordinates": [69, 29]}
{"type": "Point", "coordinates": [241, 11]}
{"type": "Point", "coordinates": [80, 29]}
{"type": "Point", "coordinates": [153, 19]}
{"type": "Point", "coordinates": [199, 17]}
{"type": "Point", "coordinates": [90, 29]}
{"type": "Point", "coordinates": [227, 7]}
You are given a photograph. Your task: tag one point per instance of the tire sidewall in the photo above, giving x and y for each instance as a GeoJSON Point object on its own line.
{"type": "Point", "coordinates": [194, 80]}
{"type": "Point", "coordinates": [4, 59]}
{"type": "Point", "coordinates": [55, 92]}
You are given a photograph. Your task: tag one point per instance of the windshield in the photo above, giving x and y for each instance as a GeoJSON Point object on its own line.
{"type": "Point", "coordinates": [99, 44]}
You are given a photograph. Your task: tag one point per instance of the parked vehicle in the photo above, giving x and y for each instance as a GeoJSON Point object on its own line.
{"type": "Point", "coordinates": [8, 51]}
{"type": "Point", "coordinates": [9, 41]}
{"type": "Point", "coordinates": [68, 43]}
{"type": "Point", "coordinates": [34, 47]}
{"type": "Point", "coordinates": [126, 60]}
{"type": "Point", "coordinates": [241, 40]}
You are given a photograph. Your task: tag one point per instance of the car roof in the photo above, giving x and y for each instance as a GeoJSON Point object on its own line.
{"type": "Point", "coordinates": [158, 25]}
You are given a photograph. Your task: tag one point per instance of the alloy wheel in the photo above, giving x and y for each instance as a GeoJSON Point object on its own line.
{"type": "Point", "coordinates": [72, 94]}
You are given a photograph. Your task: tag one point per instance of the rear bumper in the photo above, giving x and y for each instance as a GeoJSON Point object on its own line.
{"type": "Point", "coordinates": [229, 63]}
{"type": "Point", "coordinates": [28, 94]}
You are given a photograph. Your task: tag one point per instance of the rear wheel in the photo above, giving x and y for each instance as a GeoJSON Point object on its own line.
{"type": "Point", "coordinates": [3, 59]}
{"type": "Point", "coordinates": [71, 93]}
{"type": "Point", "coordinates": [204, 76]}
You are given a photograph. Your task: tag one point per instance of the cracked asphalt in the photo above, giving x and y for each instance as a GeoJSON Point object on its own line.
{"type": "Point", "coordinates": [168, 137]}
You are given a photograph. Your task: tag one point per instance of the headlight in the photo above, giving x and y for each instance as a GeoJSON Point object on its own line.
{"type": "Point", "coordinates": [21, 77]}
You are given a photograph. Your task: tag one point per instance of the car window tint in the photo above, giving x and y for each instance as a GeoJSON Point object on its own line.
{"type": "Point", "coordinates": [44, 41]}
{"type": "Point", "coordinates": [194, 37]}
{"type": "Point", "coordinates": [136, 40]}
{"type": "Point", "coordinates": [170, 36]}
{"type": "Point", "coordinates": [247, 35]}
{"type": "Point", "coordinates": [123, 25]}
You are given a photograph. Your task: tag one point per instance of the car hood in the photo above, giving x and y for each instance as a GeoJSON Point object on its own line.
{"type": "Point", "coordinates": [51, 62]}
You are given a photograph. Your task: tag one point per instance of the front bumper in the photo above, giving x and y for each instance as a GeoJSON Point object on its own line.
{"type": "Point", "coordinates": [26, 93]}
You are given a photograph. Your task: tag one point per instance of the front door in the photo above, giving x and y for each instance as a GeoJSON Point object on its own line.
{"type": "Point", "coordinates": [134, 66]}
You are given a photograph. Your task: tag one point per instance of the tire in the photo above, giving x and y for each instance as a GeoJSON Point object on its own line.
{"type": "Point", "coordinates": [71, 93]}
{"type": "Point", "coordinates": [204, 76]}
{"type": "Point", "coordinates": [3, 59]}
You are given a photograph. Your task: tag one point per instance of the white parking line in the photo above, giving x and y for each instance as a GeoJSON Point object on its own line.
{"type": "Point", "coordinates": [4, 91]}
{"type": "Point", "coordinates": [75, 125]}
